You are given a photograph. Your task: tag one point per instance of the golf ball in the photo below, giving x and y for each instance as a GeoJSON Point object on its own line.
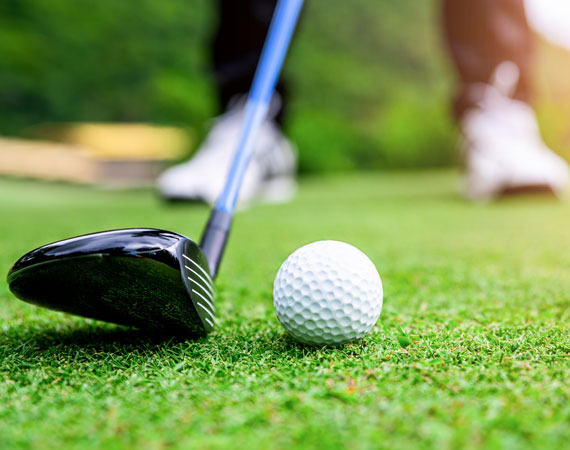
{"type": "Point", "coordinates": [327, 293]}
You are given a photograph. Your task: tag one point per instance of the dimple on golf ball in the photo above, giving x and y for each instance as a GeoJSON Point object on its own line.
{"type": "Point", "coordinates": [327, 293]}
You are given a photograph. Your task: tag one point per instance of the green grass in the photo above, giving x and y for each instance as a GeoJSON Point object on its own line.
{"type": "Point", "coordinates": [472, 349]}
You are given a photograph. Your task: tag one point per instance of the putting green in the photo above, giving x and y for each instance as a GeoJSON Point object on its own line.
{"type": "Point", "coordinates": [472, 349]}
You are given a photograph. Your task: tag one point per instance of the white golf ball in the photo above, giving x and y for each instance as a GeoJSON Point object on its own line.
{"type": "Point", "coordinates": [327, 292]}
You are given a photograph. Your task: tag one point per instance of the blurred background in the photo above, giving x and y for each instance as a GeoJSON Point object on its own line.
{"type": "Point", "coordinates": [371, 84]}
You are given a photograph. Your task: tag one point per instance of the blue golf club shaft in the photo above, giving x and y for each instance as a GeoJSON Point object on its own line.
{"type": "Point", "coordinates": [270, 63]}
{"type": "Point", "coordinates": [274, 50]}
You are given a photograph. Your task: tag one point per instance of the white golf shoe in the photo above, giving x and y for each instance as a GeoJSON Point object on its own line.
{"type": "Point", "coordinates": [270, 176]}
{"type": "Point", "coordinates": [504, 152]}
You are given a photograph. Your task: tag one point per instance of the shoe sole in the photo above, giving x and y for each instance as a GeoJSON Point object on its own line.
{"type": "Point", "coordinates": [527, 189]}
{"type": "Point", "coordinates": [274, 191]}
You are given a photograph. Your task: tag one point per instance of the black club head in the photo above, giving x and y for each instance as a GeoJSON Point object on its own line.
{"type": "Point", "coordinates": [147, 278]}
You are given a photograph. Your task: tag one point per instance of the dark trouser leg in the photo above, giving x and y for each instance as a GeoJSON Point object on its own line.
{"type": "Point", "coordinates": [237, 44]}
{"type": "Point", "coordinates": [480, 35]}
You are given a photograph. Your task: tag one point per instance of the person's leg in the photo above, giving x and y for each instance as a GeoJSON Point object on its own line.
{"type": "Point", "coordinates": [491, 45]}
{"type": "Point", "coordinates": [481, 34]}
{"type": "Point", "coordinates": [236, 47]}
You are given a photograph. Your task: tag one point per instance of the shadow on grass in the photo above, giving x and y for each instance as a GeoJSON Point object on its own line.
{"type": "Point", "coordinates": [90, 338]}
{"type": "Point", "coordinates": [83, 342]}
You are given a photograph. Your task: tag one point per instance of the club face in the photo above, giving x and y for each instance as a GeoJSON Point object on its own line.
{"type": "Point", "coordinates": [150, 279]}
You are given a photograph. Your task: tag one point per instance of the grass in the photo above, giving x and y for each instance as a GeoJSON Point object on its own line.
{"type": "Point", "coordinates": [472, 348]}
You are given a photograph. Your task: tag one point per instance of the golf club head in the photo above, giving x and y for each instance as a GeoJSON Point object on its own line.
{"type": "Point", "coordinates": [147, 278]}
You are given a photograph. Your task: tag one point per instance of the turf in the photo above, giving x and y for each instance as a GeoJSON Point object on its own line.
{"type": "Point", "coordinates": [472, 349]}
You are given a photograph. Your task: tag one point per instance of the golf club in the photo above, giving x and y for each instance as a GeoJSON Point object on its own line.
{"type": "Point", "coordinates": [149, 278]}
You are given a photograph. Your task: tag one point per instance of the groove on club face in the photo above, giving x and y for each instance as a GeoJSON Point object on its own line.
{"type": "Point", "coordinates": [200, 284]}
{"type": "Point", "coordinates": [134, 277]}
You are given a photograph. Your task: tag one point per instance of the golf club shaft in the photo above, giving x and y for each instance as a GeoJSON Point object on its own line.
{"type": "Point", "coordinates": [274, 50]}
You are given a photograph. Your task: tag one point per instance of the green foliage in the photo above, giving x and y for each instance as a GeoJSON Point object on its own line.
{"type": "Point", "coordinates": [324, 140]}
{"type": "Point", "coordinates": [103, 61]}
{"type": "Point", "coordinates": [376, 72]}
{"type": "Point", "coordinates": [369, 86]}
{"type": "Point", "coordinates": [471, 350]}
{"type": "Point", "coordinates": [416, 131]}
